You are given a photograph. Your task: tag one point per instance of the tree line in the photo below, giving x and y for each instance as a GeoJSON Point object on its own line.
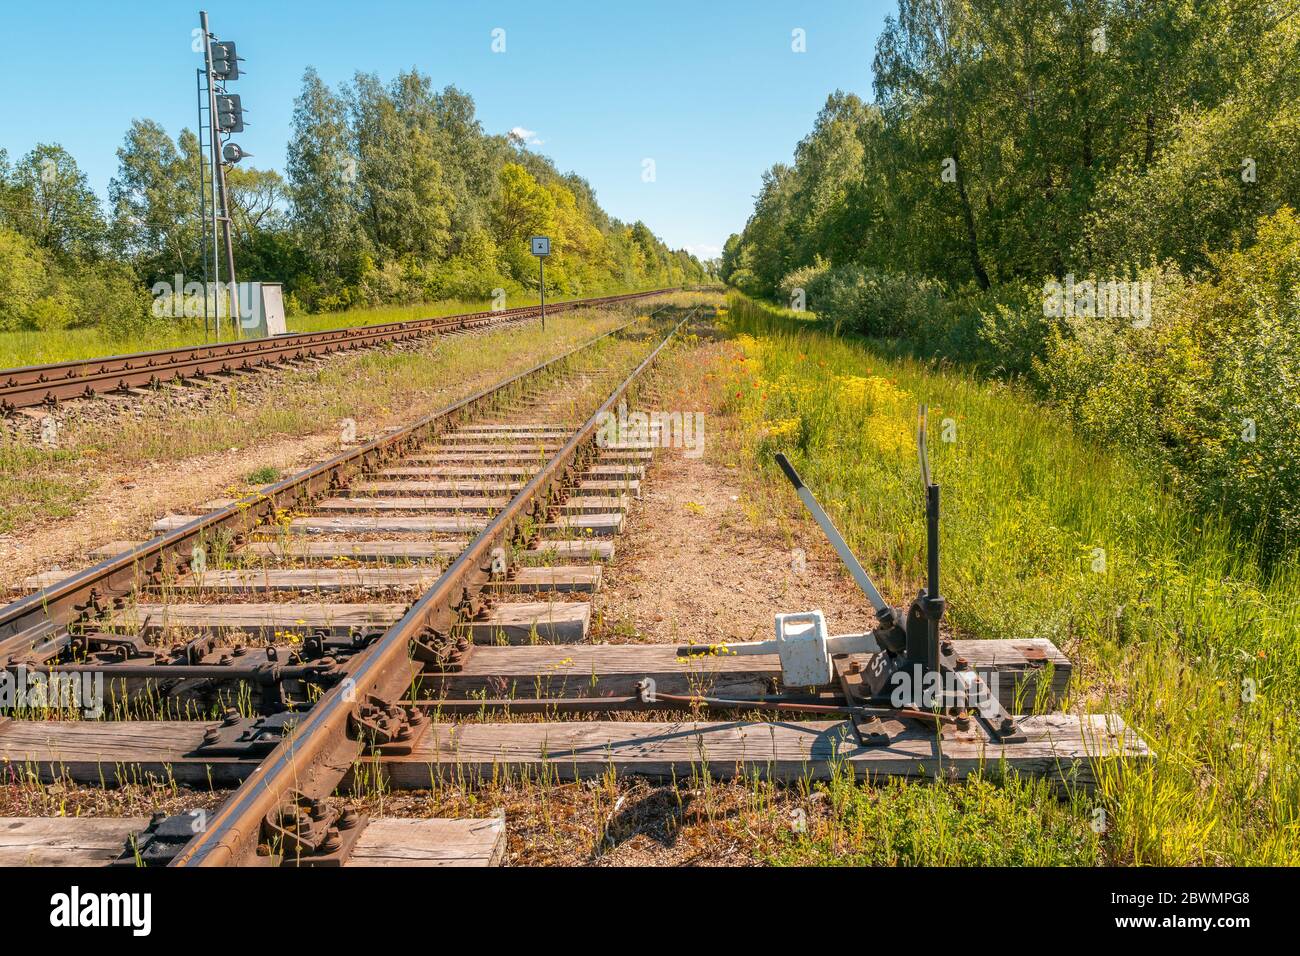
{"type": "Point", "coordinates": [1096, 197]}
{"type": "Point", "coordinates": [393, 193]}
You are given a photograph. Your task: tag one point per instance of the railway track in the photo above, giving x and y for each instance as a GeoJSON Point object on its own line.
{"type": "Point", "coordinates": [46, 386]}
{"type": "Point", "coordinates": [464, 510]}
{"type": "Point", "coordinates": [417, 610]}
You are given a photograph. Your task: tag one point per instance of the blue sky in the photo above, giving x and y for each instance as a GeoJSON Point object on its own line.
{"type": "Point", "coordinates": [711, 91]}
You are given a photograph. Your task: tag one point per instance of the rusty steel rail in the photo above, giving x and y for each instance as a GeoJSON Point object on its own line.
{"type": "Point", "coordinates": [328, 742]}
{"type": "Point", "coordinates": [37, 385]}
{"type": "Point", "coordinates": [36, 623]}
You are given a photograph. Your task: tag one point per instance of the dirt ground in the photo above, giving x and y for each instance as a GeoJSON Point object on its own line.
{"type": "Point", "coordinates": [129, 499]}
{"type": "Point", "coordinates": [690, 565]}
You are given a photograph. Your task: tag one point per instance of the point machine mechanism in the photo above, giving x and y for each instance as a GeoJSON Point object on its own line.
{"type": "Point", "coordinates": [901, 672]}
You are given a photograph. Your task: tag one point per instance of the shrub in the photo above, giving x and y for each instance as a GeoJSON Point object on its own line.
{"type": "Point", "coordinates": [1210, 389]}
{"type": "Point", "coordinates": [1007, 328]}
{"type": "Point", "coordinates": [800, 279]}
{"type": "Point", "coordinates": [877, 304]}
{"type": "Point", "coordinates": [111, 297]}
{"type": "Point", "coordinates": [471, 274]}
{"type": "Point", "coordinates": [23, 276]}
{"type": "Point", "coordinates": [49, 313]}
{"type": "Point", "coordinates": [397, 282]}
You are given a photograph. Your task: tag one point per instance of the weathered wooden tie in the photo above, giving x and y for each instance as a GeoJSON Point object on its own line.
{"type": "Point", "coordinates": [388, 841]}
{"type": "Point", "coordinates": [1068, 747]}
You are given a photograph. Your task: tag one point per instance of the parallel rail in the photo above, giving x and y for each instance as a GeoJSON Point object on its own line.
{"type": "Point", "coordinates": [316, 759]}
{"type": "Point", "coordinates": [325, 745]}
{"type": "Point", "coordinates": [31, 623]}
{"type": "Point", "coordinates": [47, 385]}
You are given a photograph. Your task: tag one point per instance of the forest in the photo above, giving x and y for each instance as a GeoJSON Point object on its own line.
{"type": "Point", "coordinates": [1094, 200]}
{"type": "Point", "coordinates": [393, 194]}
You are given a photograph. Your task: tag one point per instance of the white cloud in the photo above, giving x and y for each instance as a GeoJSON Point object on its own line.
{"type": "Point", "coordinates": [704, 250]}
{"type": "Point", "coordinates": [525, 137]}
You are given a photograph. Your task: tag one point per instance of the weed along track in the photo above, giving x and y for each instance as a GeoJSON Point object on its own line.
{"type": "Point", "coordinates": [417, 610]}
{"type": "Point", "coordinates": [45, 386]}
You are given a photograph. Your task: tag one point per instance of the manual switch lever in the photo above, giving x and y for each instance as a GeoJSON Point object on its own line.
{"type": "Point", "coordinates": [911, 669]}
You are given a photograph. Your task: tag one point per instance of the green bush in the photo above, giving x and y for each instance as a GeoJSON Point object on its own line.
{"type": "Point", "coordinates": [472, 274]}
{"type": "Point", "coordinates": [263, 476]}
{"type": "Point", "coordinates": [876, 304]}
{"type": "Point", "coordinates": [36, 294]}
{"type": "Point", "coordinates": [800, 279]}
{"type": "Point", "coordinates": [1207, 389]}
{"type": "Point", "coordinates": [1007, 329]}
{"type": "Point", "coordinates": [743, 278]}
{"type": "Point", "coordinates": [110, 296]}
{"type": "Point", "coordinates": [1210, 389]}
{"type": "Point", "coordinates": [23, 277]}
{"type": "Point", "coordinates": [49, 313]}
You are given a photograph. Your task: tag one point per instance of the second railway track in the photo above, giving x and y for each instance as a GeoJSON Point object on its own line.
{"type": "Point", "coordinates": [45, 386]}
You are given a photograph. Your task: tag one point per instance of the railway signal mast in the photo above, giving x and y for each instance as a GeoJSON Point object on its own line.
{"type": "Point", "coordinates": [220, 114]}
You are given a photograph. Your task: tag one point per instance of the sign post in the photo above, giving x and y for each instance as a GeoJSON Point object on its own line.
{"type": "Point", "coordinates": [542, 249]}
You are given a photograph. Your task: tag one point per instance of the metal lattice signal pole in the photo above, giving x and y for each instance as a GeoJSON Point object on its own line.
{"type": "Point", "coordinates": [220, 193]}
{"type": "Point", "coordinates": [207, 200]}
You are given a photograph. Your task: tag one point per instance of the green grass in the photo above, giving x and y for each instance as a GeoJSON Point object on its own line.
{"type": "Point", "coordinates": [263, 476]}
{"type": "Point", "coordinates": [1178, 631]}
{"type": "Point", "coordinates": [32, 487]}
{"type": "Point", "coordinates": [64, 345]}
{"type": "Point", "coordinates": [1015, 822]}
